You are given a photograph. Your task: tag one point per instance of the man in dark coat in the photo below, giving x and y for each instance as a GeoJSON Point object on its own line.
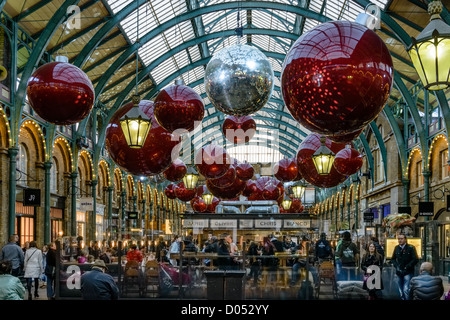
{"type": "Point", "coordinates": [404, 260]}
{"type": "Point", "coordinates": [425, 286]}
{"type": "Point", "coordinates": [98, 285]}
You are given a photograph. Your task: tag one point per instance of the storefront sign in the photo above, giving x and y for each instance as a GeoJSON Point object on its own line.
{"type": "Point", "coordinates": [406, 210]}
{"type": "Point", "coordinates": [426, 208]}
{"type": "Point", "coordinates": [268, 223]}
{"type": "Point", "coordinates": [223, 224]}
{"type": "Point", "coordinates": [245, 224]}
{"type": "Point", "coordinates": [197, 223]}
{"type": "Point", "coordinates": [86, 204]}
{"type": "Point", "coordinates": [132, 215]}
{"type": "Point", "coordinates": [294, 224]}
{"type": "Point", "coordinates": [32, 197]}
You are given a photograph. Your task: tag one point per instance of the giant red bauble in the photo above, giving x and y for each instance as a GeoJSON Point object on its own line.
{"type": "Point", "coordinates": [169, 191]}
{"type": "Point", "coordinates": [245, 171]}
{"type": "Point", "coordinates": [239, 130]}
{"type": "Point", "coordinates": [348, 161]}
{"type": "Point", "coordinates": [337, 77]}
{"type": "Point", "coordinates": [198, 204]}
{"type": "Point", "coordinates": [261, 182]}
{"type": "Point", "coordinates": [179, 107]}
{"type": "Point", "coordinates": [212, 206]}
{"type": "Point", "coordinates": [306, 165]}
{"type": "Point", "coordinates": [60, 93]}
{"type": "Point", "coordinates": [249, 189]}
{"type": "Point", "coordinates": [226, 180]}
{"type": "Point", "coordinates": [285, 170]}
{"type": "Point", "coordinates": [271, 192]}
{"type": "Point", "coordinates": [212, 161]}
{"type": "Point", "coordinates": [176, 171]}
{"type": "Point", "coordinates": [156, 154]}
{"type": "Point", "coordinates": [184, 194]}
{"type": "Point", "coordinates": [229, 192]}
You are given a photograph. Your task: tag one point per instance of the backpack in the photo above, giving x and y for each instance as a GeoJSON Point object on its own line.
{"type": "Point", "coordinates": [348, 255]}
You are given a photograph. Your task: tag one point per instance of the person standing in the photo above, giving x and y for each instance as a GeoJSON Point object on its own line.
{"type": "Point", "coordinates": [14, 253]}
{"type": "Point", "coordinates": [425, 286]}
{"type": "Point", "coordinates": [11, 288]}
{"type": "Point", "coordinates": [323, 248]}
{"type": "Point", "coordinates": [370, 258]}
{"type": "Point", "coordinates": [50, 269]}
{"type": "Point", "coordinates": [159, 248]}
{"type": "Point", "coordinates": [348, 253]}
{"type": "Point", "coordinates": [34, 267]}
{"type": "Point", "coordinates": [404, 260]}
{"type": "Point", "coordinates": [175, 247]}
{"type": "Point", "coordinates": [98, 285]}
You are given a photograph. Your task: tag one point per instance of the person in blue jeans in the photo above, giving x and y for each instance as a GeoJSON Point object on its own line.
{"type": "Point", "coordinates": [404, 259]}
{"type": "Point", "coordinates": [50, 268]}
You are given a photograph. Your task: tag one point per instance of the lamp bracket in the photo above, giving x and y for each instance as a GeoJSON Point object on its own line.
{"type": "Point", "coordinates": [371, 17]}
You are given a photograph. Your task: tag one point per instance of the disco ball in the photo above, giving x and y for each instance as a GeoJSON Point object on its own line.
{"type": "Point", "coordinates": [239, 80]}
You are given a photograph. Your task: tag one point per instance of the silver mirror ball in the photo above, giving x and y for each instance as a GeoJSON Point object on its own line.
{"type": "Point", "coordinates": [239, 80]}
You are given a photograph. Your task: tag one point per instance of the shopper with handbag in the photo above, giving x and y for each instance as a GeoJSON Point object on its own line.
{"type": "Point", "coordinates": [33, 268]}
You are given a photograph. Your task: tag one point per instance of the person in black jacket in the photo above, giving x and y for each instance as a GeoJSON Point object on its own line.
{"type": "Point", "coordinates": [404, 260]}
{"type": "Point", "coordinates": [372, 258]}
{"type": "Point", "coordinates": [98, 285]}
{"type": "Point", "coordinates": [161, 246]}
{"type": "Point", "coordinates": [425, 286]}
{"type": "Point", "coordinates": [50, 268]}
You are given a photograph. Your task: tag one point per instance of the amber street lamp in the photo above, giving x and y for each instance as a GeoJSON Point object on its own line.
{"type": "Point", "coordinates": [298, 190]}
{"type": "Point", "coordinates": [207, 197]}
{"type": "Point", "coordinates": [286, 203]}
{"type": "Point", "coordinates": [135, 125]}
{"type": "Point", "coordinates": [190, 178]}
{"type": "Point", "coordinates": [430, 52]}
{"type": "Point", "coordinates": [323, 158]}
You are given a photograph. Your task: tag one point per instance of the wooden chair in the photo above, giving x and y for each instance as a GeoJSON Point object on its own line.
{"type": "Point", "coordinates": [151, 278]}
{"type": "Point", "coordinates": [132, 278]}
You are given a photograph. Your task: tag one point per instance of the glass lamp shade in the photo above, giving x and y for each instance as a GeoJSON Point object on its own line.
{"type": "Point", "coordinates": [430, 52]}
{"type": "Point", "coordinates": [207, 197]}
{"type": "Point", "coordinates": [286, 204]}
{"type": "Point", "coordinates": [323, 158]}
{"type": "Point", "coordinates": [190, 179]}
{"type": "Point", "coordinates": [135, 125]}
{"type": "Point", "coordinates": [298, 190]}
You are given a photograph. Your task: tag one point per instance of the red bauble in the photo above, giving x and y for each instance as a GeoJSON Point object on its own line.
{"type": "Point", "coordinates": [271, 192]}
{"type": "Point", "coordinates": [348, 161]}
{"type": "Point", "coordinates": [156, 154]}
{"type": "Point", "coordinates": [245, 171]}
{"type": "Point", "coordinates": [212, 161]}
{"type": "Point", "coordinates": [229, 192]}
{"type": "Point", "coordinates": [212, 207]}
{"type": "Point", "coordinates": [198, 204]}
{"type": "Point", "coordinates": [201, 190]}
{"type": "Point", "coordinates": [349, 137]}
{"type": "Point", "coordinates": [184, 194]}
{"type": "Point", "coordinates": [306, 165]}
{"type": "Point", "coordinates": [261, 182]}
{"type": "Point", "coordinates": [337, 77]}
{"type": "Point", "coordinates": [176, 171]}
{"type": "Point", "coordinates": [179, 107]}
{"type": "Point", "coordinates": [169, 191]}
{"type": "Point", "coordinates": [285, 170]}
{"type": "Point", "coordinates": [226, 180]}
{"type": "Point", "coordinates": [60, 93]}
{"type": "Point", "coordinates": [296, 206]}
{"type": "Point", "coordinates": [250, 188]}
{"type": "Point", "coordinates": [239, 130]}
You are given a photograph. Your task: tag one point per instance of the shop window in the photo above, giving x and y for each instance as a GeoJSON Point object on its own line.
{"type": "Point", "coordinates": [379, 166]}
{"type": "Point", "coordinates": [22, 164]}
{"type": "Point", "coordinates": [419, 175]}
{"type": "Point", "coordinates": [443, 158]}
{"type": "Point", "coordinates": [54, 177]}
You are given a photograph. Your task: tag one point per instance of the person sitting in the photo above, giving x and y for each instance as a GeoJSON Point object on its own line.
{"type": "Point", "coordinates": [98, 285]}
{"type": "Point", "coordinates": [425, 286]}
{"type": "Point", "coordinates": [134, 254]}
{"type": "Point", "coordinates": [11, 288]}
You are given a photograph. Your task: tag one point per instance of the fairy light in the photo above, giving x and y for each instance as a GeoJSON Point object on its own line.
{"type": "Point", "coordinates": [86, 154]}
{"type": "Point", "coordinates": [8, 129]}
{"type": "Point", "coordinates": [30, 124]}
{"type": "Point", "coordinates": [62, 140]}
{"type": "Point", "coordinates": [433, 143]}
{"type": "Point", "coordinates": [413, 151]}
{"type": "Point", "coordinates": [102, 162]}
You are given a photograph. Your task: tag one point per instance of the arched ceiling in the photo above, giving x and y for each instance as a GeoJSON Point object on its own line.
{"type": "Point", "coordinates": [177, 38]}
